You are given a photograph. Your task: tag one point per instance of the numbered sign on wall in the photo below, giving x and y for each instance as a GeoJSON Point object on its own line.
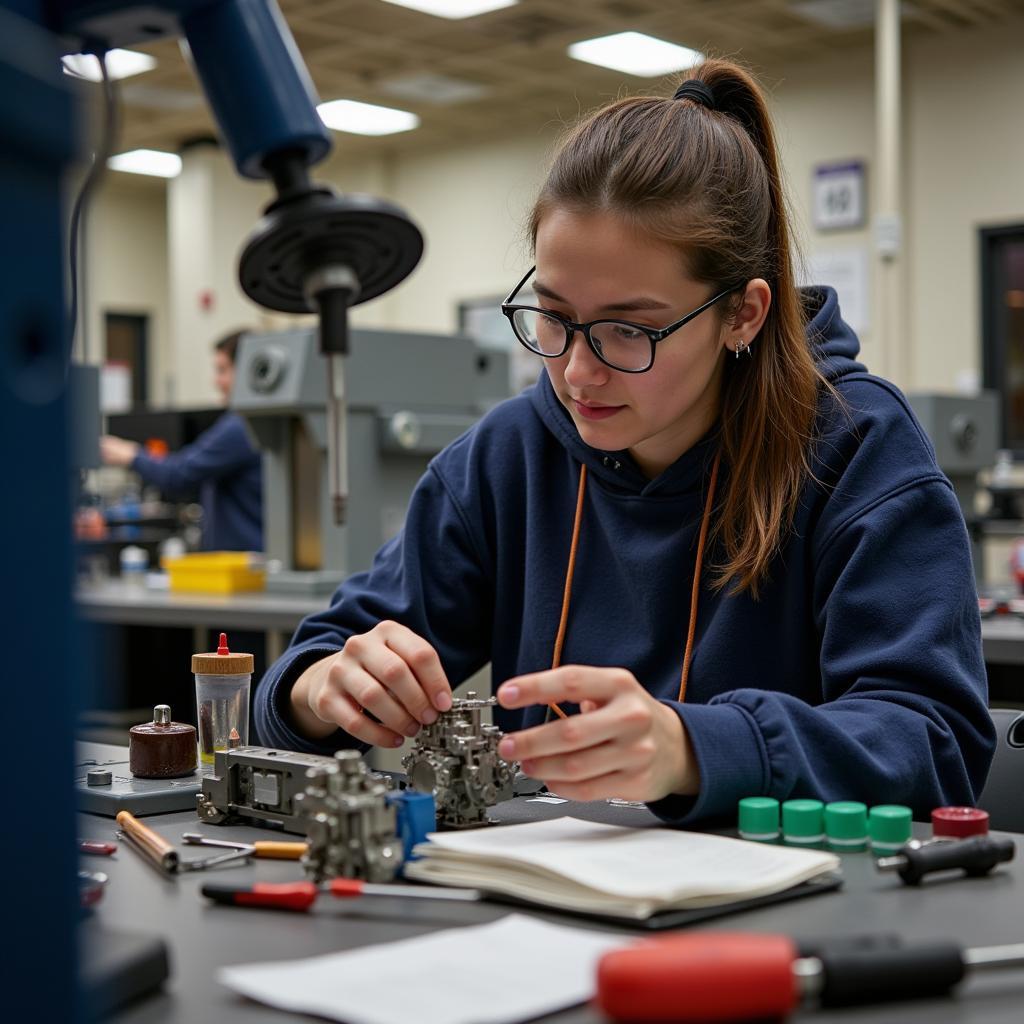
{"type": "Point", "coordinates": [839, 199]}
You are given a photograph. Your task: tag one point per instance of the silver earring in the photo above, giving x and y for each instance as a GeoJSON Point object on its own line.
{"type": "Point", "coordinates": [740, 346]}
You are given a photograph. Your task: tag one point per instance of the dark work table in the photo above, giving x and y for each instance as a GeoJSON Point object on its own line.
{"type": "Point", "coordinates": [202, 936]}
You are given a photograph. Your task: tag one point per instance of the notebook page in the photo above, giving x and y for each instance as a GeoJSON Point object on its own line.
{"type": "Point", "coordinates": [656, 863]}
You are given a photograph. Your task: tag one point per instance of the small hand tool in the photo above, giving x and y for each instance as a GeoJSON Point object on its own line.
{"type": "Point", "coordinates": [302, 895]}
{"type": "Point", "coordinates": [722, 976]}
{"type": "Point", "coordinates": [95, 846]}
{"type": "Point", "coordinates": [270, 848]}
{"type": "Point", "coordinates": [160, 852]}
{"type": "Point", "coordinates": [975, 856]}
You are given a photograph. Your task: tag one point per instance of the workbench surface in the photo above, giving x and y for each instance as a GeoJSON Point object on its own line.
{"type": "Point", "coordinates": [202, 936]}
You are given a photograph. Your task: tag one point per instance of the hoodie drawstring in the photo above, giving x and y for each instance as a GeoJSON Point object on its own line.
{"type": "Point", "coordinates": [556, 658]}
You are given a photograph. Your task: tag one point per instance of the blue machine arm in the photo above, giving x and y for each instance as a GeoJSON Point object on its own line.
{"type": "Point", "coordinates": [253, 75]}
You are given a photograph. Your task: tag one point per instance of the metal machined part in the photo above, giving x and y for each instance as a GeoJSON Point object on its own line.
{"type": "Point", "coordinates": [456, 759]}
{"type": "Point", "coordinates": [257, 784]}
{"type": "Point", "coordinates": [351, 826]}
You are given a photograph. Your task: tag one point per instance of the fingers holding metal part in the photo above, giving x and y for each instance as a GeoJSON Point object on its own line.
{"type": "Point", "coordinates": [405, 665]}
{"type": "Point", "coordinates": [588, 763]}
{"type": "Point", "coordinates": [346, 711]}
{"type": "Point", "coordinates": [572, 683]}
{"type": "Point", "coordinates": [389, 673]}
{"type": "Point", "coordinates": [432, 686]}
{"type": "Point", "coordinates": [395, 668]}
{"type": "Point", "coordinates": [624, 743]}
{"type": "Point", "coordinates": [577, 732]}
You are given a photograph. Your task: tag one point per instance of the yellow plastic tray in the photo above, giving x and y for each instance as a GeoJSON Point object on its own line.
{"type": "Point", "coordinates": [216, 572]}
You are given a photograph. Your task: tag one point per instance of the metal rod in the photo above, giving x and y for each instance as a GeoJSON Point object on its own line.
{"type": "Point", "coordinates": [337, 443]}
{"type": "Point", "coordinates": [198, 839]}
{"type": "Point", "coordinates": [990, 957]}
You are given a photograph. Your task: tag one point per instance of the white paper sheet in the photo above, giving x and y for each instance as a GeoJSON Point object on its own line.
{"type": "Point", "coordinates": [457, 976]}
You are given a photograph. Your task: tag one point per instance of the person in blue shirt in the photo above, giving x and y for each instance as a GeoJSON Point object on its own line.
{"type": "Point", "coordinates": [221, 464]}
{"type": "Point", "coordinates": [708, 555]}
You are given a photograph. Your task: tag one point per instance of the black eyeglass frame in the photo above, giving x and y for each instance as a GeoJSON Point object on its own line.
{"type": "Point", "coordinates": [654, 334]}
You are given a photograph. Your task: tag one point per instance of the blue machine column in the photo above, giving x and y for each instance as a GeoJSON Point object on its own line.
{"type": "Point", "coordinates": [40, 683]}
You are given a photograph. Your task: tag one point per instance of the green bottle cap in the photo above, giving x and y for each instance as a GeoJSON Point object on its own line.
{"type": "Point", "coordinates": [889, 824]}
{"type": "Point", "coordinates": [759, 816]}
{"type": "Point", "coordinates": [803, 819]}
{"type": "Point", "coordinates": [846, 820]}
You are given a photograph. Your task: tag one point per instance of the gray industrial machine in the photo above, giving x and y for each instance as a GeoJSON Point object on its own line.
{"type": "Point", "coordinates": [409, 395]}
{"type": "Point", "coordinates": [964, 429]}
{"type": "Point", "coordinates": [965, 432]}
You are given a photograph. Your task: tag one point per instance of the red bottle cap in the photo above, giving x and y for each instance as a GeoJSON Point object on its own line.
{"type": "Point", "coordinates": [959, 822]}
{"type": "Point", "coordinates": [222, 648]}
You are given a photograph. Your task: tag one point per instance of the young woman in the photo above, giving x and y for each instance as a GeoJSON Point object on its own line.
{"type": "Point", "coordinates": [708, 555]}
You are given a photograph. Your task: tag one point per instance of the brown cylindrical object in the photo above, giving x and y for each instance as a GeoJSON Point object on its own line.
{"type": "Point", "coordinates": [162, 749]}
{"type": "Point", "coordinates": [152, 845]}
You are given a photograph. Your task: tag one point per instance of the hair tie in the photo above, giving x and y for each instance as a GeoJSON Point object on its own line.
{"type": "Point", "coordinates": [693, 89]}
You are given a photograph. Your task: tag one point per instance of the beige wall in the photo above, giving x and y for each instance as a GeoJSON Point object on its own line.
{"type": "Point", "coordinates": [965, 133]}
{"type": "Point", "coordinates": [964, 154]}
{"type": "Point", "coordinates": [126, 271]}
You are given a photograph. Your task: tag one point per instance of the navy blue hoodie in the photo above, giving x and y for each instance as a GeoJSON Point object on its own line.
{"type": "Point", "coordinates": [227, 471]}
{"type": "Point", "coordinates": [857, 675]}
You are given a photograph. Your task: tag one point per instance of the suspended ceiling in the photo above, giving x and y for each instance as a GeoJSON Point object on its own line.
{"type": "Point", "coordinates": [516, 58]}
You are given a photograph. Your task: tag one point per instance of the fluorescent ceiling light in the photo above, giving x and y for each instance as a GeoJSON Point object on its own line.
{"type": "Point", "coordinates": [636, 54]}
{"type": "Point", "coordinates": [454, 8]}
{"type": "Point", "coordinates": [365, 118]}
{"type": "Point", "coordinates": [147, 161]}
{"type": "Point", "coordinates": [120, 64]}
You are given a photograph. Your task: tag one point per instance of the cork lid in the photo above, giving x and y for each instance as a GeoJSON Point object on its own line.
{"type": "Point", "coordinates": [222, 662]}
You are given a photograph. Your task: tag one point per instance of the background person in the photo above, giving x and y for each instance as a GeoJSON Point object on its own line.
{"type": "Point", "coordinates": [222, 465]}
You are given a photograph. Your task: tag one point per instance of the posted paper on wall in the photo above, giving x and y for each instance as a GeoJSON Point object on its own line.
{"type": "Point", "coordinates": [846, 270]}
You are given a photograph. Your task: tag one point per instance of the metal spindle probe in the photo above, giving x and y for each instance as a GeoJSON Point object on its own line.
{"type": "Point", "coordinates": [332, 290]}
{"type": "Point", "coordinates": [337, 438]}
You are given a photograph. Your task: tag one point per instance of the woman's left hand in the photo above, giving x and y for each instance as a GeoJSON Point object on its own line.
{"type": "Point", "coordinates": [624, 743]}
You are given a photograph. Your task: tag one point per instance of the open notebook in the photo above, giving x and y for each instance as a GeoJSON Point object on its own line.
{"type": "Point", "coordinates": [608, 870]}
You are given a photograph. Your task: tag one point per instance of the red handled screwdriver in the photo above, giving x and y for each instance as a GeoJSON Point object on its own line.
{"type": "Point", "coordinates": [722, 976]}
{"type": "Point", "coordinates": [302, 895]}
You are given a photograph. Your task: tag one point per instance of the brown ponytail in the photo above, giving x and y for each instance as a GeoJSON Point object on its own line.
{"type": "Point", "coordinates": [708, 183]}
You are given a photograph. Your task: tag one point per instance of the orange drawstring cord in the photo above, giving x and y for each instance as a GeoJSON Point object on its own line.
{"type": "Point", "coordinates": [698, 563]}
{"type": "Point", "coordinates": [556, 658]}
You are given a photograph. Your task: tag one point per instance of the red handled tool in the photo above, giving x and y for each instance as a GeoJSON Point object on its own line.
{"type": "Point", "coordinates": [96, 847]}
{"type": "Point", "coordinates": [302, 895]}
{"type": "Point", "coordinates": [722, 976]}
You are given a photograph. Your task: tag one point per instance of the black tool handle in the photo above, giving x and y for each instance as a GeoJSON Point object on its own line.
{"type": "Point", "coordinates": [868, 975]}
{"type": "Point", "coordinates": [976, 856]}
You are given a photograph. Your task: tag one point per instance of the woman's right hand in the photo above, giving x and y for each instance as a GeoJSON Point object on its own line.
{"type": "Point", "coordinates": [391, 672]}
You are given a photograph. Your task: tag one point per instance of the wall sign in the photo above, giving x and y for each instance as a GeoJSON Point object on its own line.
{"type": "Point", "coordinates": [839, 196]}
